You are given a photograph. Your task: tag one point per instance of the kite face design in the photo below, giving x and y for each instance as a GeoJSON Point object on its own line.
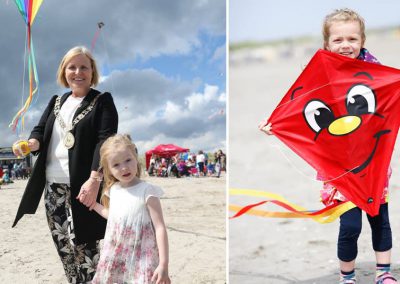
{"type": "Point", "coordinates": [360, 102]}
{"type": "Point", "coordinates": [341, 117]}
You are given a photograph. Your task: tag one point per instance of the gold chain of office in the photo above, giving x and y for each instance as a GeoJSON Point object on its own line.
{"type": "Point", "coordinates": [69, 139]}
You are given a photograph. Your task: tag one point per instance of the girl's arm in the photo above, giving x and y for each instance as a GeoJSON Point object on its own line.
{"type": "Point", "coordinates": [101, 210]}
{"type": "Point", "coordinates": [161, 273]}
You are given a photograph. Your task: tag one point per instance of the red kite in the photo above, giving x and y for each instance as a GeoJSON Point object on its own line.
{"type": "Point", "coordinates": [341, 116]}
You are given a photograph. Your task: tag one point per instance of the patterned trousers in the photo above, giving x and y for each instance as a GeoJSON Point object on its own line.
{"type": "Point", "coordinates": [79, 261]}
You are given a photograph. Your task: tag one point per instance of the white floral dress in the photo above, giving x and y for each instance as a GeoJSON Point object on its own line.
{"type": "Point", "coordinates": [130, 253]}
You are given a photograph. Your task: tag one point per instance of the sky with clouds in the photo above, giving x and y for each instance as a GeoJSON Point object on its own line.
{"type": "Point", "coordinates": [163, 61]}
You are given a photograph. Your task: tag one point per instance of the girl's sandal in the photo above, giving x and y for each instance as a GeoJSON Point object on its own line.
{"type": "Point", "coordinates": [386, 278]}
{"type": "Point", "coordinates": [348, 281]}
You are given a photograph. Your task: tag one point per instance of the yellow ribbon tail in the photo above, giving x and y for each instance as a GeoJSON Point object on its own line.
{"type": "Point", "coordinates": [323, 216]}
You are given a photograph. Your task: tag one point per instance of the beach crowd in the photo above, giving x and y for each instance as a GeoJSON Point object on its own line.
{"type": "Point", "coordinates": [13, 170]}
{"type": "Point", "coordinates": [188, 164]}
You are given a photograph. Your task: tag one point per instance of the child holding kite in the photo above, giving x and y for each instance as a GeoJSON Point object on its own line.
{"type": "Point", "coordinates": [344, 34]}
{"type": "Point", "coordinates": [135, 244]}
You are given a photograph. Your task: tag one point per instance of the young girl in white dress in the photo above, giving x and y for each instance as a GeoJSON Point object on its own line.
{"type": "Point", "coordinates": [135, 248]}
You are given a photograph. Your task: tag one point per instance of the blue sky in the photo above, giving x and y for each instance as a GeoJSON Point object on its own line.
{"type": "Point", "coordinates": [163, 62]}
{"type": "Point", "coordinates": [200, 63]}
{"type": "Point", "coordinates": [258, 20]}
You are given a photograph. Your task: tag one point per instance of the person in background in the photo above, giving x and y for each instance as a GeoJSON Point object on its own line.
{"type": "Point", "coordinates": [219, 161]}
{"type": "Point", "coordinates": [200, 159]}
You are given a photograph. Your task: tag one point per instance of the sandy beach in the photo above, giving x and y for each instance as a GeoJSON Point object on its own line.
{"type": "Point", "coordinates": [266, 250]}
{"type": "Point", "coordinates": [194, 212]}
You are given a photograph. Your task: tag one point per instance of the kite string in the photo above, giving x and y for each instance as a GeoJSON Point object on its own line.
{"type": "Point", "coordinates": [23, 76]}
{"type": "Point", "coordinates": [108, 62]}
{"type": "Point", "coordinates": [17, 121]}
{"type": "Point", "coordinates": [289, 160]}
{"type": "Point", "coordinates": [300, 96]}
{"type": "Point", "coordinates": [301, 172]}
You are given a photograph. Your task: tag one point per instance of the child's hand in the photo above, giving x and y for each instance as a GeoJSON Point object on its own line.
{"type": "Point", "coordinates": [88, 193]}
{"type": "Point", "coordinates": [160, 276]}
{"type": "Point", "coordinates": [265, 127]}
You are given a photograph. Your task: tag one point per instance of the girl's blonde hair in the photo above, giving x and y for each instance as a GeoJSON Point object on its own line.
{"type": "Point", "coordinates": [342, 15]}
{"type": "Point", "coordinates": [108, 147]}
{"type": "Point", "coordinates": [68, 56]}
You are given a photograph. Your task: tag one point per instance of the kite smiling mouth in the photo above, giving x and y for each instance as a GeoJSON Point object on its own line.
{"type": "Point", "coordinates": [368, 160]}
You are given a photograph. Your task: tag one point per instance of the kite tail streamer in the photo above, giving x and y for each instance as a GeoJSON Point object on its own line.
{"type": "Point", "coordinates": [28, 10]}
{"type": "Point", "coordinates": [323, 216]}
{"type": "Point", "coordinates": [17, 123]}
{"type": "Point", "coordinates": [24, 72]}
{"type": "Point", "coordinates": [96, 35]}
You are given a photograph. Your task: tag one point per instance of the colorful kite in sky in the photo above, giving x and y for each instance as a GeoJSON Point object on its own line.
{"type": "Point", "coordinates": [28, 10]}
{"type": "Point", "coordinates": [341, 116]}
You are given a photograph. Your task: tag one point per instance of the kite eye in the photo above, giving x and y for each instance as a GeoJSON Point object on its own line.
{"type": "Point", "coordinates": [318, 115]}
{"type": "Point", "coordinates": [360, 100]}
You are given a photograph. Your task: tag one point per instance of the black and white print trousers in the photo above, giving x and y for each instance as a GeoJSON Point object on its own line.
{"type": "Point", "coordinates": [79, 261]}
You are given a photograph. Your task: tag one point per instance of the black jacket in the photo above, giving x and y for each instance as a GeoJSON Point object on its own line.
{"type": "Point", "coordinates": [84, 156]}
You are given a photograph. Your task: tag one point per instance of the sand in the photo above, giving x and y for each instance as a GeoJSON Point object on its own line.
{"type": "Point", "coordinates": [194, 211]}
{"type": "Point", "coordinates": [266, 250]}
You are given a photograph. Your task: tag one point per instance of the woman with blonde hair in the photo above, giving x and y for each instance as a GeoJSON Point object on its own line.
{"type": "Point", "coordinates": [67, 143]}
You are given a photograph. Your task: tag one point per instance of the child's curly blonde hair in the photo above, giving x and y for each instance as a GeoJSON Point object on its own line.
{"type": "Point", "coordinates": [342, 15]}
{"type": "Point", "coordinates": [114, 142]}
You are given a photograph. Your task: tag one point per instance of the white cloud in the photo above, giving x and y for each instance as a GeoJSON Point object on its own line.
{"type": "Point", "coordinates": [127, 121]}
{"type": "Point", "coordinates": [206, 142]}
{"type": "Point", "coordinates": [175, 122]}
{"type": "Point", "coordinates": [222, 98]}
{"type": "Point", "coordinates": [174, 112]}
{"type": "Point", "coordinates": [219, 53]}
{"type": "Point", "coordinates": [198, 101]}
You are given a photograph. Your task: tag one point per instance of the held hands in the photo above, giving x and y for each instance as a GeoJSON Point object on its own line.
{"type": "Point", "coordinates": [265, 127]}
{"type": "Point", "coordinates": [160, 276]}
{"type": "Point", "coordinates": [88, 193]}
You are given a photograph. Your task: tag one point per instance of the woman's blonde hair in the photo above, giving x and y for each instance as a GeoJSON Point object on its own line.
{"type": "Point", "coordinates": [68, 56]}
{"type": "Point", "coordinates": [108, 147]}
{"type": "Point", "coordinates": [342, 15]}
